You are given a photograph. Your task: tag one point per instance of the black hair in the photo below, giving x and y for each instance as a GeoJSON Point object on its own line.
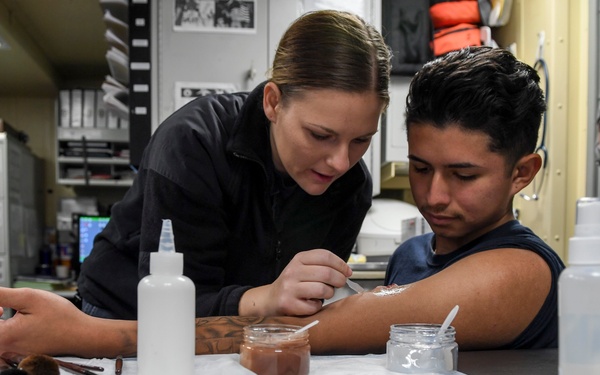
{"type": "Point", "coordinates": [481, 89]}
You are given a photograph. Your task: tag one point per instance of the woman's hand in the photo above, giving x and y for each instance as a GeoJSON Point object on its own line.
{"type": "Point", "coordinates": [309, 278]}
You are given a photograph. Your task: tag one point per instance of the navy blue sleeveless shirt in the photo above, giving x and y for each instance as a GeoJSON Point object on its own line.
{"type": "Point", "coordinates": [415, 260]}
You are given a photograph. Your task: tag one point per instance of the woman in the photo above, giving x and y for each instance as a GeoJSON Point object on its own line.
{"type": "Point", "coordinates": [266, 190]}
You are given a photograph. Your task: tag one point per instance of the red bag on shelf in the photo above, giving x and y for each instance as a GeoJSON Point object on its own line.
{"type": "Point", "coordinates": [454, 38]}
{"type": "Point", "coordinates": [452, 13]}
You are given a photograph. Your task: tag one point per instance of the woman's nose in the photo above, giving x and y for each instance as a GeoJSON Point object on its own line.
{"type": "Point", "coordinates": [339, 159]}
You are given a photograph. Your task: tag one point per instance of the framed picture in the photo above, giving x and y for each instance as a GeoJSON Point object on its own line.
{"type": "Point", "coordinates": [229, 16]}
{"type": "Point", "coordinates": [185, 92]}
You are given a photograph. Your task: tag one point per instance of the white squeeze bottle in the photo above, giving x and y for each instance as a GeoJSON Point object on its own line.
{"type": "Point", "coordinates": [579, 295]}
{"type": "Point", "coordinates": [166, 313]}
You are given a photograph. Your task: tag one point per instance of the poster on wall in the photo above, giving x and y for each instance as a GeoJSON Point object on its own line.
{"type": "Point", "coordinates": [229, 16]}
{"type": "Point", "coordinates": [185, 92]}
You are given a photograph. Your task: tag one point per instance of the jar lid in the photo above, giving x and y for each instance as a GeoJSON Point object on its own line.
{"type": "Point", "coordinates": [421, 333]}
{"type": "Point", "coordinates": [274, 334]}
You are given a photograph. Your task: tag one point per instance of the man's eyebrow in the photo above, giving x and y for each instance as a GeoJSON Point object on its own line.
{"type": "Point", "coordinates": [452, 165]}
{"type": "Point", "coordinates": [462, 165]}
{"type": "Point", "coordinates": [416, 158]}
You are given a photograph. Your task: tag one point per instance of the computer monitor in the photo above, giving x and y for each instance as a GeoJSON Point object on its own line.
{"type": "Point", "coordinates": [88, 226]}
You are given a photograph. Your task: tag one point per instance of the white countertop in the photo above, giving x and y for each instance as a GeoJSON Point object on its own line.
{"type": "Point", "coordinates": [229, 364]}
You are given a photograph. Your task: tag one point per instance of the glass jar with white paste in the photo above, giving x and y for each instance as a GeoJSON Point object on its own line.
{"type": "Point", "coordinates": [418, 349]}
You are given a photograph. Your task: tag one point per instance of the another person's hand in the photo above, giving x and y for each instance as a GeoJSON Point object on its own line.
{"type": "Point", "coordinates": [309, 278]}
{"type": "Point", "coordinates": [44, 323]}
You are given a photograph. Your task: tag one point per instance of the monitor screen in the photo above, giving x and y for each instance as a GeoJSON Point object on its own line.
{"type": "Point", "coordinates": [89, 227]}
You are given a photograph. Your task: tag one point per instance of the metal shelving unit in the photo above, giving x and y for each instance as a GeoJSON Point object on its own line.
{"type": "Point", "coordinates": [90, 170]}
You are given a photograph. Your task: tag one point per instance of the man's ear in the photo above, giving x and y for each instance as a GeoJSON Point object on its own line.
{"type": "Point", "coordinates": [525, 171]}
{"type": "Point", "coordinates": [271, 99]}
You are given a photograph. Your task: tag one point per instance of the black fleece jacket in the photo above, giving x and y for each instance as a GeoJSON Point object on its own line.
{"type": "Point", "coordinates": [208, 168]}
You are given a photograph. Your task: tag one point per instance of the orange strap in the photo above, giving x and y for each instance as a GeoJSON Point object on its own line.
{"type": "Point", "coordinates": [455, 38]}
{"type": "Point", "coordinates": [452, 13]}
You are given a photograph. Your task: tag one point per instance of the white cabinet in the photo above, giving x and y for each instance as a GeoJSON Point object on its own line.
{"type": "Point", "coordinates": [395, 143]}
{"type": "Point", "coordinates": [93, 157]}
{"type": "Point", "coordinates": [21, 209]}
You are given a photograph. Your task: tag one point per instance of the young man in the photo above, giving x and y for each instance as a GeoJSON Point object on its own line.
{"type": "Point", "coordinates": [472, 120]}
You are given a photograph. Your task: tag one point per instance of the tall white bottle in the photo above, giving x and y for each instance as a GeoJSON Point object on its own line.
{"type": "Point", "coordinates": [166, 313]}
{"type": "Point", "coordinates": [579, 295]}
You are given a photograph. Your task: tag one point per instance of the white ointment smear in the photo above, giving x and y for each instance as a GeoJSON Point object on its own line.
{"type": "Point", "coordinates": [390, 290]}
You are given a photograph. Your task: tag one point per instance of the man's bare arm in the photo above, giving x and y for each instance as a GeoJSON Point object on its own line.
{"type": "Point", "coordinates": [499, 293]}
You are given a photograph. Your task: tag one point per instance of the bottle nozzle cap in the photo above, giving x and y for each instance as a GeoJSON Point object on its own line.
{"type": "Point", "coordinates": [166, 260]}
{"type": "Point", "coordinates": [167, 239]}
{"type": "Point", "coordinates": [584, 245]}
{"type": "Point", "coordinates": [588, 210]}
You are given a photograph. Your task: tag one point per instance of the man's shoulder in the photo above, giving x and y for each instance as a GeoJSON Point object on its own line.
{"type": "Point", "coordinates": [414, 247]}
{"type": "Point", "coordinates": [514, 235]}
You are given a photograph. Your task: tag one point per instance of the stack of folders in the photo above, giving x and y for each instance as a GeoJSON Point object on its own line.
{"type": "Point", "coordinates": [115, 86]}
{"type": "Point", "coordinates": [87, 108]}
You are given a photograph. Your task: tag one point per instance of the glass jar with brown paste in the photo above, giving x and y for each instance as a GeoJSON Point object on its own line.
{"type": "Point", "coordinates": [275, 349]}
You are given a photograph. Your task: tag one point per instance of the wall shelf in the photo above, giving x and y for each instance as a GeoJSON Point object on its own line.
{"type": "Point", "coordinates": [95, 182]}
{"type": "Point", "coordinates": [93, 134]}
{"type": "Point", "coordinates": [78, 160]}
{"type": "Point", "coordinates": [394, 175]}
{"type": "Point", "coordinates": [93, 157]}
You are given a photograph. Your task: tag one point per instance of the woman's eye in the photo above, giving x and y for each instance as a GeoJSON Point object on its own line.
{"type": "Point", "coordinates": [319, 137]}
{"type": "Point", "coordinates": [362, 140]}
{"type": "Point", "coordinates": [421, 169]}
